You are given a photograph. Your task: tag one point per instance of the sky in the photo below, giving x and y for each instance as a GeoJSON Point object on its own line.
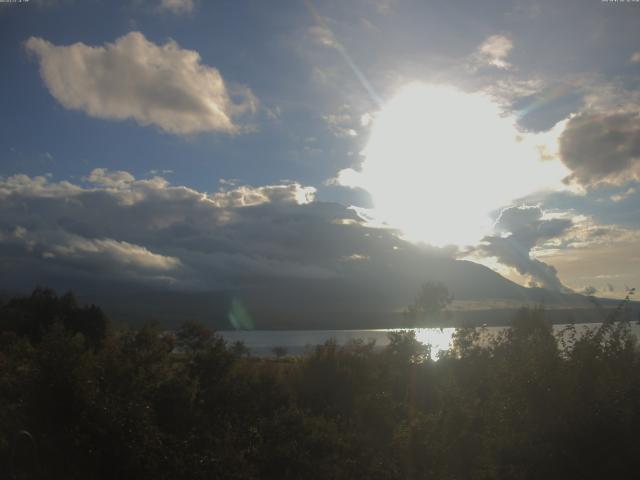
{"type": "Point", "coordinates": [192, 145]}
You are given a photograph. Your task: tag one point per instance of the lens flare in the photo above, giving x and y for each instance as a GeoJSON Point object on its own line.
{"type": "Point", "coordinates": [239, 316]}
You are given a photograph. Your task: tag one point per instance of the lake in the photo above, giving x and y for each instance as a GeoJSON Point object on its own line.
{"type": "Point", "coordinates": [262, 342]}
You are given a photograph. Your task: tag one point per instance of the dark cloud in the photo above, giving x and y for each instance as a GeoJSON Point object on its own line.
{"type": "Point", "coordinates": [114, 232]}
{"type": "Point", "coordinates": [521, 229]}
{"type": "Point", "coordinates": [526, 225]}
{"type": "Point", "coordinates": [600, 204]}
{"type": "Point", "coordinates": [140, 225]}
{"type": "Point", "coordinates": [602, 148]}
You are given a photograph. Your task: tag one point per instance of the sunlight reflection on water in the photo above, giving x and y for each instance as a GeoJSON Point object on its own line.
{"type": "Point", "coordinates": [296, 342]}
{"type": "Point", "coordinates": [439, 339]}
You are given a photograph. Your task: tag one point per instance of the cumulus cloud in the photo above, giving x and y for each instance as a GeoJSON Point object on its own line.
{"type": "Point", "coordinates": [102, 176]}
{"type": "Point", "coordinates": [36, 186]}
{"type": "Point", "coordinates": [602, 148]}
{"type": "Point", "coordinates": [495, 51]}
{"type": "Point", "coordinates": [133, 78]}
{"type": "Point", "coordinates": [518, 231]}
{"type": "Point", "coordinates": [245, 196]}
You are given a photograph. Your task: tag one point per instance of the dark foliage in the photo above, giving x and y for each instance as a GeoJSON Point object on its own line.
{"type": "Point", "coordinates": [33, 316]}
{"type": "Point", "coordinates": [77, 401]}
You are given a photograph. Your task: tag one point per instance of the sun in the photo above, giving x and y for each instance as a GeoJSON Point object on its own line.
{"type": "Point", "coordinates": [439, 161]}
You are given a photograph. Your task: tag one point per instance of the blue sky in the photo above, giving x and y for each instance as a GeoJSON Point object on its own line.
{"type": "Point", "coordinates": [94, 89]}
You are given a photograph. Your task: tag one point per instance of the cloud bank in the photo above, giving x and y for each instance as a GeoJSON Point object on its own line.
{"type": "Point", "coordinates": [114, 233]}
{"type": "Point", "coordinates": [153, 232]}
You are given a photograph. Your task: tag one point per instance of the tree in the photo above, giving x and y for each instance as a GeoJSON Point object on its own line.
{"type": "Point", "coordinates": [34, 315]}
{"type": "Point", "coordinates": [193, 336]}
{"type": "Point", "coordinates": [279, 351]}
{"type": "Point", "coordinates": [430, 303]}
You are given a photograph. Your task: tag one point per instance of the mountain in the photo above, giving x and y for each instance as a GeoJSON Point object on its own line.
{"type": "Point", "coordinates": [481, 296]}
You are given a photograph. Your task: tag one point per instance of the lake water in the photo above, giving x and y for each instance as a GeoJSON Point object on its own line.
{"type": "Point", "coordinates": [262, 342]}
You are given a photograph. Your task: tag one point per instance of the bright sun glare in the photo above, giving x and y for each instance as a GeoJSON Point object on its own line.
{"type": "Point", "coordinates": [439, 161]}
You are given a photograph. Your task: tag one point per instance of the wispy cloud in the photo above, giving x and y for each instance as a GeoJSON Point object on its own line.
{"type": "Point", "coordinates": [177, 6]}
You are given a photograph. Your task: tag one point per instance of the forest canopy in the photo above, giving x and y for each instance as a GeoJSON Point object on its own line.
{"type": "Point", "coordinates": [81, 399]}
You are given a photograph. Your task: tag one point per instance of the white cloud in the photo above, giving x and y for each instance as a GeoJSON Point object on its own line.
{"type": "Point", "coordinates": [177, 6]}
{"type": "Point", "coordinates": [102, 176]}
{"type": "Point", "coordinates": [495, 51]}
{"type": "Point", "coordinates": [619, 197]}
{"type": "Point", "coordinates": [587, 233]}
{"type": "Point", "coordinates": [366, 119]}
{"type": "Point", "coordinates": [38, 186]}
{"type": "Point", "coordinates": [133, 78]}
{"type": "Point", "coordinates": [245, 196]}
{"type": "Point", "coordinates": [105, 254]}
{"type": "Point", "coordinates": [122, 253]}
{"type": "Point", "coordinates": [609, 96]}
{"type": "Point", "coordinates": [635, 58]}
{"type": "Point", "coordinates": [342, 123]}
